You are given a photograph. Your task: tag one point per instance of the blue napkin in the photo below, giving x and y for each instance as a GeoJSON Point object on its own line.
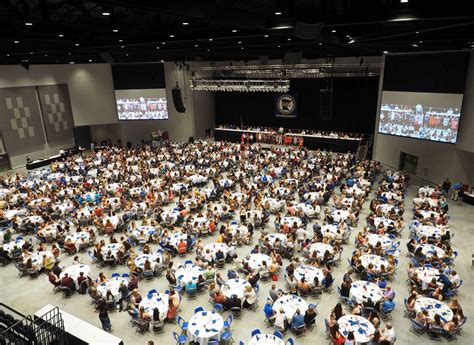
{"type": "Point", "coordinates": [437, 305]}
{"type": "Point", "coordinates": [204, 313]}
{"type": "Point", "coordinates": [180, 277]}
{"type": "Point", "coordinates": [361, 331]}
{"type": "Point", "coordinates": [196, 332]}
{"type": "Point", "coordinates": [194, 324]}
{"type": "Point", "coordinates": [214, 321]}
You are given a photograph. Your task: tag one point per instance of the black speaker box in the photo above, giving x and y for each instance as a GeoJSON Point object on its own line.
{"type": "Point", "coordinates": [178, 100]}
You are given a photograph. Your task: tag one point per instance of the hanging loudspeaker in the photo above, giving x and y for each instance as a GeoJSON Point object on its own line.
{"type": "Point", "coordinates": [178, 100]}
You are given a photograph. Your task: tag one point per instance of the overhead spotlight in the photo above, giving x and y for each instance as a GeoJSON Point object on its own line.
{"type": "Point", "coordinates": [242, 48]}
{"type": "Point", "coordinates": [289, 39]}
{"type": "Point", "coordinates": [196, 45]}
{"type": "Point", "coordinates": [163, 42]}
{"type": "Point", "coordinates": [162, 61]}
{"type": "Point", "coordinates": [71, 62]}
{"type": "Point", "coordinates": [351, 41]}
{"type": "Point", "coordinates": [333, 31]}
{"type": "Point", "coordinates": [277, 13]}
{"type": "Point", "coordinates": [61, 35]}
{"type": "Point", "coordinates": [279, 46]}
{"type": "Point", "coordinates": [77, 44]}
{"type": "Point", "coordinates": [122, 47]}
{"type": "Point", "coordinates": [234, 31]}
{"type": "Point", "coordinates": [106, 13]}
{"type": "Point", "coordinates": [28, 24]}
{"type": "Point", "coordinates": [404, 1]}
{"type": "Point", "coordinates": [208, 50]}
{"type": "Point", "coordinates": [385, 51]}
{"type": "Point", "coordinates": [185, 23]}
{"type": "Point", "coordinates": [417, 32]}
{"type": "Point", "coordinates": [348, 36]}
{"type": "Point", "coordinates": [171, 36]}
{"type": "Point", "coordinates": [115, 30]}
{"type": "Point", "coordinates": [210, 39]}
{"type": "Point", "coordinates": [320, 43]}
{"type": "Point", "coordinates": [90, 60]}
{"type": "Point", "coordinates": [16, 42]}
{"type": "Point", "coordinates": [157, 47]}
{"type": "Point", "coordinates": [265, 36]}
{"type": "Point", "coordinates": [414, 45]}
{"type": "Point", "coordinates": [240, 42]}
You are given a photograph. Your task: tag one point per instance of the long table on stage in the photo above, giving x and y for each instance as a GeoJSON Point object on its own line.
{"type": "Point", "coordinates": [47, 161]}
{"type": "Point", "coordinates": [468, 198]}
{"type": "Point", "coordinates": [312, 142]}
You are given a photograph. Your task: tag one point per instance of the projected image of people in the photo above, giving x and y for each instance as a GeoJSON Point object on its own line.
{"type": "Point", "coordinates": [420, 122]}
{"type": "Point", "coordinates": [142, 108]}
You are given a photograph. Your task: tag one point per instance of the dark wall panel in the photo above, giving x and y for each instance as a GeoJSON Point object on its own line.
{"type": "Point", "coordinates": [138, 76]}
{"type": "Point", "coordinates": [354, 106]}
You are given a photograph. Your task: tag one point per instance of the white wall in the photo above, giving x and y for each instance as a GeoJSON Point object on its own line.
{"type": "Point", "coordinates": [436, 161]}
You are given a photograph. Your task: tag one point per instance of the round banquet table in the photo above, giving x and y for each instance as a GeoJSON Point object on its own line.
{"type": "Point", "coordinates": [10, 214]}
{"type": "Point", "coordinates": [39, 201]}
{"type": "Point", "coordinates": [64, 207]}
{"type": "Point", "coordinates": [201, 221]}
{"type": "Point", "coordinates": [290, 303]}
{"type": "Point", "coordinates": [37, 220]}
{"type": "Point", "coordinates": [177, 187]}
{"type": "Point", "coordinates": [291, 220]}
{"type": "Point", "coordinates": [320, 249]}
{"type": "Point", "coordinates": [429, 250]}
{"type": "Point", "coordinates": [386, 222]}
{"type": "Point", "coordinates": [172, 215]}
{"type": "Point", "coordinates": [433, 306]}
{"type": "Point", "coordinates": [255, 261]}
{"type": "Point", "coordinates": [189, 272]}
{"type": "Point", "coordinates": [112, 284]}
{"type": "Point", "coordinates": [197, 179]}
{"type": "Point", "coordinates": [275, 205]}
{"type": "Point", "coordinates": [263, 179]}
{"type": "Point", "coordinates": [114, 220]}
{"type": "Point", "coordinates": [37, 258]}
{"type": "Point", "coordinates": [74, 270]}
{"type": "Point", "coordinates": [271, 238]}
{"type": "Point", "coordinates": [265, 339]}
{"type": "Point", "coordinates": [240, 197]}
{"type": "Point", "coordinates": [312, 196]}
{"type": "Point", "coordinates": [360, 326]}
{"type": "Point", "coordinates": [347, 201]}
{"type": "Point", "coordinates": [11, 245]}
{"type": "Point", "coordinates": [226, 183]}
{"type": "Point", "coordinates": [384, 240]}
{"type": "Point", "coordinates": [282, 191]}
{"type": "Point", "coordinates": [156, 300]}
{"type": "Point", "coordinates": [375, 260]}
{"type": "Point", "coordinates": [427, 214]}
{"type": "Point", "coordinates": [113, 247]}
{"type": "Point", "coordinates": [362, 290]}
{"type": "Point", "coordinates": [426, 190]}
{"type": "Point", "coordinates": [330, 231]}
{"type": "Point", "coordinates": [306, 209]}
{"type": "Point", "coordinates": [426, 274]}
{"type": "Point", "coordinates": [255, 214]}
{"type": "Point", "coordinates": [175, 238]}
{"type": "Point", "coordinates": [429, 231]}
{"type": "Point", "coordinates": [213, 248]}
{"type": "Point", "coordinates": [147, 232]}
{"type": "Point", "coordinates": [243, 229]}
{"type": "Point", "coordinates": [140, 260]}
{"type": "Point", "coordinates": [340, 215]}
{"type": "Point", "coordinates": [420, 201]}
{"type": "Point", "coordinates": [235, 287]}
{"type": "Point", "coordinates": [205, 325]}
{"type": "Point", "coordinates": [385, 208]}
{"type": "Point", "coordinates": [308, 272]}
{"type": "Point", "coordinates": [79, 237]}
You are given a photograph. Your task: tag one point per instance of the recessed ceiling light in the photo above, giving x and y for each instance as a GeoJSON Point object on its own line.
{"type": "Point", "coordinates": [208, 50]}
{"type": "Point", "coordinates": [320, 43]}
{"type": "Point", "coordinates": [385, 51]}
{"type": "Point", "coordinates": [351, 41]}
{"type": "Point", "coordinates": [162, 60]}
{"type": "Point", "coordinates": [242, 48]}
{"type": "Point", "coordinates": [120, 41]}
{"type": "Point", "coordinates": [210, 39]}
{"type": "Point", "coordinates": [234, 31]}
{"type": "Point", "coordinates": [77, 44]}
{"type": "Point", "coordinates": [68, 53]}
{"type": "Point", "coordinates": [278, 46]}
{"type": "Point", "coordinates": [90, 60]}
{"type": "Point", "coordinates": [277, 13]}
{"type": "Point", "coordinates": [404, 1]}
{"type": "Point", "coordinates": [45, 54]}
{"type": "Point", "coordinates": [106, 13]}
{"type": "Point", "coordinates": [115, 30]}
{"type": "Point", "coordinates": [289, 39]}
{"type": "Point", "coordinates": [122, 47]}
{"type": "Point", "coordinates": [414, 45]}
{"type": "Point", "coordinates": [196, 45]}
{"type": "Point", "coordinates": [28, 23]}
{"type": "Point", "coordinates": [266, 36]}
{"type": "Point", "coordinates": [421, 41]}
{"type": "Point", "coordinates": [185, 23]}
{"type": "Point", "coordinates": [60, 35]}
{"type": "Point", "coordinates": [417, 32]}
{"type": "Point", "coordinates": [163, 42]}
{"type": "Point", "coordinates": [71, 62]}
{"type": "Point", "coordinates": [31, 53]}
{"type": "Point", "coordinates": [240, 42]}
{"type": "Point", "coordinates": [8, 54]}
{"type": "Point", "coordinates": [126, 54]}
{"type": "Point", "coordinates": [157, 47]}
{"type": "Point", "coordinates": [171, 36]}
{"type": "Point", "coordinates": [333, 31]}
{"type": "Point", "coordinates": [16, 42]}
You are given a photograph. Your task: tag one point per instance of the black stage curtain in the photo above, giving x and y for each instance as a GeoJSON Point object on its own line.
{"type": "Point", "coordinates": [354, 106]}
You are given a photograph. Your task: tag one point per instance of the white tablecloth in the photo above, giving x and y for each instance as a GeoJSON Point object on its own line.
{"type": "Point", "coordinates": [265, 339]}
{"type": "Point", "coordinates": [429, 231]}
{"type": "Point", "coordinates": [282, 191]}
{"type": "Point", "coordinates": [170, 217]}
{"type": "Point", "coordinates": [240, 197]}
{"type": "Point", "coordinates": [434, 307]}
{"type": "Point", "coordinates": [74, 271]}
{"type": "Point", "coordinates": [274, 204]}
{"type": "Point", "coordinates": [291, 220]}
{"type": "Point", "coordinates": [186, 273]}
{"type": "Point", "coordinates": [306, 209]}
{"type": "Point", "coordinates": [386, 221]}
{"type": "Point", "coordinates": [429, 249]}
{"type": "Point", "coordinates": [340, 215]}
{"type": "Point", "coordinates": [113, 284]}
{"type": "Point", "coordinates": [330, 231]}
{"type": "Point", "coordinates": [320, 249]}
{"type": "Point", "coordinates": [143, 232]}
{"type": "Point", "coordinates": [156, 300]}
{"type": "Point", "coordinates": [255, 261]}
{"type": "Point", "coordinates": [10, 245]}
{"type": "Point", "coordinates": [213, 248]}
{"type": "Point", "coordinates": [33, 219]}
{"type": "Point", "coordinates": [235, 287]}
{"type": "Point", "coordinates": [205, 325]}
{"type": "Point", "coordinates": [140, 260]}
{"type": "Point", "coordinates": [426, 274]}
{"type": "Point", "coordinates": [114, 220]}
{"type": "Point", "coordinates": [308, 272]}
{"type": "Point", "coordinates": [312, 196]}
{"type": "Point", "coordinates": [226, 183]}
{"type": "Point", "coordinates": [362, 290]}
{"type": "Point", "coordinates": [384, 240]}
{"type": "Point", "coordinates": [290, 303]}
{"type": "Point", "coordinates": [427, 214]}
{"type": "Point", "coordinates": [113, 247]}
{"type": "Point", "coordinates": [243, 229]}
{"type": "Point", "coordinates": [79, 237]}
{"type": "Point", "coordinates": [175, 238]}
{"type": "Point", "coordinates": [360, 326]}
{"type": "Point", "coordinates": [272, 237]}
{"type": "Point", "coordinates": [176, 187]}
{"type": "Point", "coordinates": [39, 201]}
{"type": "Point", "coordinates": [197, 178]}
{"type": "Point", "coordinates": [375, 260]}
{"type": "Point", "coordinates": [426, 190]}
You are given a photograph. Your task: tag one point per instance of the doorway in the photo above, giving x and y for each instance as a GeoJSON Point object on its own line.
{"type": "Point", "coordinates": [408, 162]}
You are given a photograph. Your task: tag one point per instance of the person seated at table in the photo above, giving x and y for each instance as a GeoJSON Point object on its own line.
{"type": "Point", "coordinates": [327, 280]}
{"type": "Point", "coordinates": [418, 255]}
{"type": "Point", "coordinates": [250, 297]}
{"type": "Point", "coordinates": [304, 285]}
{"type": "Point", "coordinates": [350, 340]}
{"type": "Point", "coordinates": [268, 309]}
{"type": "Point", "coordinates": [232, 302]}
{"type": "Point", "coordinates": [132, 283]}
{"type": "Point", "coordinates": [102, 278]}
{"type": "Point", "coordinates": [182, 248]}
{"type": "Point", "coordinates": [310, 317]}
{"type": "Point", "coordinates": [76, 261]}
{"type": "Point", "coordinates": [345, 288]}
{"type": "Point", "coordinates": [253, 278]}
{"type": "Point", "coordinates": [388, 333]}
{"type": "Point", "coordinates": [337, 337]}
{"type": "Point", "coordinates": [356, 308]}
{"type": "Point", "coordinates": [297, 320]}
{"type": "Point", "coordinates": [212, 289]}
{"type": "Point", "coordinates": [219, 256]}
{"type": "Point", "coordinates": [190, 285]}
{"type": "Point", "coordinates": [219, 297]}
{"type": "Point", "coordinates": [209, 273]}
{"type": "Point", "coordinates": [54, 279]}
{"type": "Point", "coordinates": [69, 246]}
{"type": "Point", "coordinates": [451, 325]}
{"type": "Point", "coordinates": [48, 262]}
{"type": "Point", "coordinates": [422, 317]}
{"type": "Point", "coordinates": [280, 321]}
{"type": "Point", "coordinates": [135, 297]}
{"type": "Point", "coordinates": [171, 277]}
{"type": "Point", "coordinates": [68, 282]}
{"type": "Point", "coordinates": [82, 278]}
{"type": "Point", "coordinates": [387, 305]}
{"type": "Point", "coordinates": [389, 292]}
{"type": "Point", "coordinates": [219, 280]}
{"type": "Point", "coordinates": [338, 312]}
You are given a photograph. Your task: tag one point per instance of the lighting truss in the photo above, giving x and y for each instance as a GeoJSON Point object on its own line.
{"type": "Point", "coordinates": [235, 85]}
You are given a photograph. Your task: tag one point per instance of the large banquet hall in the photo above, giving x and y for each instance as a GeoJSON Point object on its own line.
{"type": "Point", "coordinates": [245, 172]}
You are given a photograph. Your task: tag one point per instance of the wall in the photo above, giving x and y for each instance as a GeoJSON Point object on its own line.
{"type": "Point", "coordinates": [91, 92]}
{"type": "Point", "coordinates": [436, 161]}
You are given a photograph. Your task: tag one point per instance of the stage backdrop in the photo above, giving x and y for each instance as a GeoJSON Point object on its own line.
{"type": "Point", "coordinates": [20, 119]}
{"type": "Point", "coordinates": [354, 106]}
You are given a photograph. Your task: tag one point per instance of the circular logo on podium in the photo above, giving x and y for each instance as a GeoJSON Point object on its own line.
{"type": "Point", "coordinates": [286, 104]}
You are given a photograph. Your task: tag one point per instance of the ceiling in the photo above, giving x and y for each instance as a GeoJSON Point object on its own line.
{"type": "Point", "coordinates": [76, 31]}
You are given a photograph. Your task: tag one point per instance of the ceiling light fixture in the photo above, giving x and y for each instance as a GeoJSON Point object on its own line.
{"type": "Point", "coordinates": [77, 44]}
{"type": "Point", "coordinates": [289, 39]}
{"type": "Point", "coordinates": [404, 1]}
{"type": "Point", "coordinates": [234, 31]}
{"type": "Point", "coordinates": [61, 35]}
{"type": "Point", "coordinates": [106, 13]}
{"type": "Point", "coordinates": [196, 45]}
{"type": "Point", "coordinates": [157, 47]}
{"type": "Point", "coordinates": [71, 62]}
{"type": "Point", "coordinates": [333, 31]}
{"type": "Point", "coordinates": [163, 42]}
{"type": "Point", "coordinates": [115, 30]}
{"type": "Point", "coordinates": [265, 36]}
{"type": "Point", "coordinates": [351, 41]}
{"type": "Point", "coordinates": [277, 13]}
{"type": "Point", "coordinates": [171, 36]}
{"type": "Point", "coordinates": [385, 51]}
{"type": "Point", "coordinates": [414, 45]}
{"type": "Point", "coordinates": [90, 60]}
{"type": "Point", "coordinates": [120, 41]}
{"type": "Point", "coordinates": [28, 24]}
{"type": "Point", "coordinates": [320, 43]}
{"type": "Point", "coordinates": [122, 47]}
{"type": "Point", "coordinates": [210, 39]}
{"type": "Point", "coordinates": [185, 23]}
{"type": "Point", "coordinates": [162, 60]}
{"type": "Point", "coordinates": [16, 42]}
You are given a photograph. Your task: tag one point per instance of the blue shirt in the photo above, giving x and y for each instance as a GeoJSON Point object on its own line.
{"type": "Point", "coordinates": [388, 305]}
{"type": "Point", "coordinates": [297, 321]}
{"type": "Point", "coordinates": [268, 309]}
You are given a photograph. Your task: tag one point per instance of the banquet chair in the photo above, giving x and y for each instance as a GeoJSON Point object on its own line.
{"type": "Point", "coordinates": [290, 341]}
{"type": "Point", "coordinates": [228, 321]}
{"type": "Point", "coordinates": [149, 274]}
{"type": "Point", "coordinates": [226, 337]}
{"type": "Point", "coordinates": [299, 331]}
{"type": "Point", "coordinates": [143, 326]}
{"type": "Point", "coordinates": [236, 312]}
{"type": "Point", "coordinates": [278, 334]}
{"type": "Point", "coordinates": [435, 332]}
{"type": "Point", "coordinates": [33, 272]}
{"type": "Point", "coordinates": [255, 332]}
{"type": "Point", "coordinates": [303, 293]}
{"type": "Point", "coordinates": [417, 328]}
{"type": "Point", "coordinates": [182, 324]}
{"type": "Point", "coordinates": [21, 269]}
{"type": "Point", "coordinates": [191, 293]}
{"type": "Point", "coordinates": [198, 309]}
{"type": "Point", "coordinates": [316, 291]}
{"type": "Point", "coordinates": [218, 308]}
{"type": "Point", "coordinates": [157, 327]}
